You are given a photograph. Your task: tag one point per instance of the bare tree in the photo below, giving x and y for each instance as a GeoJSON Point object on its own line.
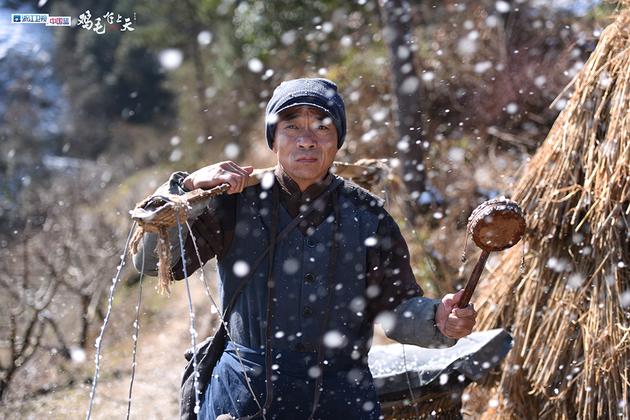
{"type": "Point", "coordinates": [53, 288]}
{"type": "Point", "coordinates": [26, 308]}
{"type": "Point", "coordinates": [406, 86]}
{"type": "Point", "coordinates": [201, 84]}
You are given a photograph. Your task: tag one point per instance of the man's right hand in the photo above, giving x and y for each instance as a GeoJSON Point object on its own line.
{"type": "Point", "coordinates": [217, 174]}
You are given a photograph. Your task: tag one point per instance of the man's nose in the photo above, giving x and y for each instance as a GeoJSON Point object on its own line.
{"type": "Point", "coordinates": [306, 140]}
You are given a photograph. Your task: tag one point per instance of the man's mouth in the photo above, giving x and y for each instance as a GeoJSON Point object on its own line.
{"type": "Point", "coordinates": [305, 159]}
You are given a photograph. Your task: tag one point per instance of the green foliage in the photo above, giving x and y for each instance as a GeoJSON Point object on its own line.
{"type": "Point", "coordinates": [137, 74]}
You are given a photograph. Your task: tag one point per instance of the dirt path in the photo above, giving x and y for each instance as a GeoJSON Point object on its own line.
{"type": "Point", "coordinates": [162, 341]}
{"type": "Point", "coordinates": [164, 336]}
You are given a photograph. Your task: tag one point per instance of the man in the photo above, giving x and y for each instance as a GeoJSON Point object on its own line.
{"type": "Point", "coordinates": [301, 327]}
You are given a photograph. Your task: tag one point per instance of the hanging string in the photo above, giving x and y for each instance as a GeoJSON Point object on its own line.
{"type": "Point", "coordinates": [386, 194]}
{"type": "Point", "coordinates": [99, 339]}
{"type": "Point", "coordinates": [404, 355]}
{"type": "Point", "coordinates": [203, 276]}
{"type": "Point", "coordinates": [463, 258]}
{"type": "Point", "coordinates": [227, 330]}
{"type": "Point", "coordinates": [136, 335]}
{"type": "Point", "coordinates": [413, 398]}
{"type": "Point", "coordinates": [191, 313]}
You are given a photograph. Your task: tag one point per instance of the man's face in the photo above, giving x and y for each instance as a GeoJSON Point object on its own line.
{"type": "Point", "coordinates": [305, 143]}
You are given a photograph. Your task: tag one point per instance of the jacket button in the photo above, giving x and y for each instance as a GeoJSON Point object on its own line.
{"type": "Point", "coordinates": [311, 243]}
{"type": "Point", "coordinates": [307, 312]}
{"type": "Point", "coordinates": [309, 277]}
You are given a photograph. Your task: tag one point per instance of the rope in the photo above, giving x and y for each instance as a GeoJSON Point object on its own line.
{"type": "Point", "coordinates": [404, 354]}
{"type": "Point", "coordinates": [203, 275]}
{"type": "Point", "coordinates": [191, 313]}
{"type": "Point", "coordinates": [136, 335]}
{"type": "Point", "coordinates": [413, 398]}
{"type": "Point", "coordinates": [158, 213]}
{"type": "Point", "coordinates": [99, 340]}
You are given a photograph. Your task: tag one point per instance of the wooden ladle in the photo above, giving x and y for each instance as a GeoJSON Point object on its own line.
{"type": "Point", "coordinates": [494, 225]}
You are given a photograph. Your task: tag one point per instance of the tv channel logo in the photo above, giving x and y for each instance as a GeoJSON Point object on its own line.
{"type": "Point", "coordinates": [41, 18]}
{"type": "Point", "coordinates": [59, 21]}
{"type": "Point", "coordinates": [29, 18]}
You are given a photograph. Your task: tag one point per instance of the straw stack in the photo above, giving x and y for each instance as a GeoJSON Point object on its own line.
{"type": "Point", "coordinates": [569, 311]}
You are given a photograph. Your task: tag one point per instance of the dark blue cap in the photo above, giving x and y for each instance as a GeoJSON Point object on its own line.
{"type": "Point", "coordinates": [318, 93]}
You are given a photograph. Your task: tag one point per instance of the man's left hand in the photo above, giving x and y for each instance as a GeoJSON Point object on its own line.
{"type": "Point", "coordinates": [452, 321]}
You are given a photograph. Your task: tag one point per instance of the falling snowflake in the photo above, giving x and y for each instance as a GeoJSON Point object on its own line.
{"type": "Point", "coordinates": [231, 150]}
{"type": "Point", "coordinates": [255, 65]}
{"type": "Point", "coordinates": [170, 58]}
{"type": "Point", "coordinates": [240, 268]}
{"type": "Point", "coordinates": [204, 38]}
{"type": "Point", "coordinates": [334, 339]}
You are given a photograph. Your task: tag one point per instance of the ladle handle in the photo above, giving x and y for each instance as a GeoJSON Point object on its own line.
{"type": "Point", "coordinates": [474, 278]}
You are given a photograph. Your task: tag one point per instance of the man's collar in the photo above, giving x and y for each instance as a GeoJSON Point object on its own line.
{"type": "Point", "coordinates": [291, 188]}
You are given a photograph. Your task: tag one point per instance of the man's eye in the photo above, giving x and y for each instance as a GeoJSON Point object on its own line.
{"type": "Point", "coordinates": [323, 127]}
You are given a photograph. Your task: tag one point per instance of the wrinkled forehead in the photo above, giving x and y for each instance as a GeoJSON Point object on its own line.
{"type": "Point", "coordinates": [302, 111]}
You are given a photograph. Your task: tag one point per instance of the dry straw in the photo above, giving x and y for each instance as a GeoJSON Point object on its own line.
{"type": "Point", "coordinates": [158, 214]}
{"type": "Point", "coordinates": [569, 311]}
